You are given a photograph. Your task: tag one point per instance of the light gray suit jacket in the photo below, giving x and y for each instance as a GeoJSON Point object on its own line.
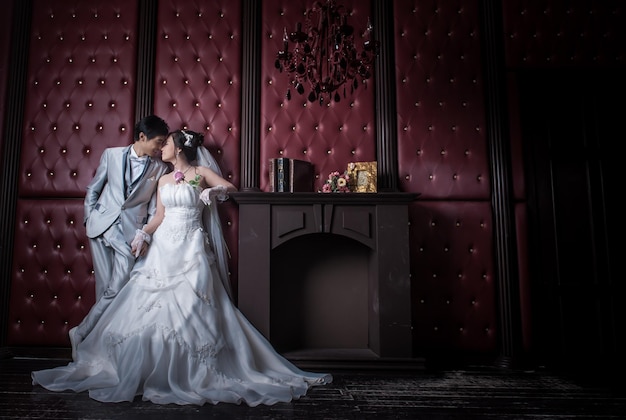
{"type": "Point", "coordinates": [105, 199]}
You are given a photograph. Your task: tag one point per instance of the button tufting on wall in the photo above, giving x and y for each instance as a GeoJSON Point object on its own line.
{"type": "Point", "coordinates": [41, 150]}
{"type": "Point", "coordinates": [79, 82]}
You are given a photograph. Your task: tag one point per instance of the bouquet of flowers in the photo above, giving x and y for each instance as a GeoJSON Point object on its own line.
{"type": "Point", "coordinates": [337, 182]}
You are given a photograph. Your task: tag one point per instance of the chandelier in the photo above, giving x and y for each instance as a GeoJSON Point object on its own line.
{"type": "Point", "coordinates": [324, 59]}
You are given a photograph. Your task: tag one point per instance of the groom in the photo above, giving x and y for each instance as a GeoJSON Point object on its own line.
{"type": "Point", "coordinates": [119, 200]}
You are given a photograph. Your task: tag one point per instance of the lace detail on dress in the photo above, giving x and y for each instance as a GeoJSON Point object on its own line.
{"type": "Point", "coordinates": [151, 306]}
{"type": "Point", "coordinates": [205, 353]}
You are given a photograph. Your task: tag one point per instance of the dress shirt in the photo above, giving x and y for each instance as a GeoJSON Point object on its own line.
{"type": "Point", "coordinates": [136, 164]}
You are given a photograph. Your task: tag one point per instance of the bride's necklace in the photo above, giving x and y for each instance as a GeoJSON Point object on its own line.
{"type": "Point", "coordinates": [179, 176]}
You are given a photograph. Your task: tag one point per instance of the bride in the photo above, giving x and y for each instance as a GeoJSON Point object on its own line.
{"type": "Point", "coordinates": [173, 334]}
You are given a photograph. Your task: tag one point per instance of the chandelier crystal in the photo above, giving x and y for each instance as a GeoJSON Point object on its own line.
{"type": "Point", "coordinates": [324, 59]}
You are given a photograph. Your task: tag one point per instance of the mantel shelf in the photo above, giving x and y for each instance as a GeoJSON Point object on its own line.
{"type": "Point", "coordinates": [257, 197]}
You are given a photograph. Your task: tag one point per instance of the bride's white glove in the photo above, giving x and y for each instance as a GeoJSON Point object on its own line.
{"type": "Point", "coordinates": [219, 192]}
{"type": "Point", "coordinates": [138, 241]}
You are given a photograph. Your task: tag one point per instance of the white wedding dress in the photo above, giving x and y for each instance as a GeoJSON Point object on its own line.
{"type": "Point", "coordinates": [173, 334]}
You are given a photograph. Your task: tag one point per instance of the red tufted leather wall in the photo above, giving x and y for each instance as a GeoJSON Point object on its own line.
{"type": "Point", "coordinates": [329, 136]}
{"type": "Point", "coordinates": [198, 86]}
{"type": "Point", "coordinates": [442, 155]}
{"type": "Point", "coordinates": [562, 33]}
{"type": "Point", "coordinates": [80, 97]}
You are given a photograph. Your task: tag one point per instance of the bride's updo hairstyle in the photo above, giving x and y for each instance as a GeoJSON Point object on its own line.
{"type": "Point", "coordinates": [188, 141]}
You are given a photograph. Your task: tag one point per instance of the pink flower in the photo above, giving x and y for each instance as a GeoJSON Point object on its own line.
{"type": "Point", "coordinates": [179, 176]}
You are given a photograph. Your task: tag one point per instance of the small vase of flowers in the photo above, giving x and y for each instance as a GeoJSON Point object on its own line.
{"type": "Point", "coordinates": [337, 183]}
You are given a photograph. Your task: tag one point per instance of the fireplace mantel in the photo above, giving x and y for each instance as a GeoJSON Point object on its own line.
{"type": "Point", "coordinates": [378, 221]}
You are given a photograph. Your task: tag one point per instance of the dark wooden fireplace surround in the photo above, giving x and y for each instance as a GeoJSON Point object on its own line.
{"type": "Point", "coordinates": [379, 221]}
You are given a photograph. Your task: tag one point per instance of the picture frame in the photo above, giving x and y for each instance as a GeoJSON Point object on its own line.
{"type": "Point", "coordinates": [363, 176]}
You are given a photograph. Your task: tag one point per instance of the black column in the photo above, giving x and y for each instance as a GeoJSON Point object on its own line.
{"type": "Point", "coordinates": [250, 94]}
{"type": "Point", "coordinates": [14, 117]}
{"type": "Point", "coordinates": [502, 201]}
{"type": "Point", "coordinates": [385, 88]}
{"type": "Point", "coordinates": [146, 56]}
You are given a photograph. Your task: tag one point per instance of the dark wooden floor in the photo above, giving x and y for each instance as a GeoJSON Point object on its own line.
{"type": "Point", "coordinates": [469, 393]}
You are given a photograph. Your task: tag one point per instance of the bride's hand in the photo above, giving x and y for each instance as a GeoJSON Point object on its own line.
{"type": "Point", "coordinates": [137, 246]}
{"type": "Point", "coordinates": [219, 192]}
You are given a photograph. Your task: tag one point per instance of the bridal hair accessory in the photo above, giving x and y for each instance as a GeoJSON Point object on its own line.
{"type": "Point", "coordinates": [188, 138]}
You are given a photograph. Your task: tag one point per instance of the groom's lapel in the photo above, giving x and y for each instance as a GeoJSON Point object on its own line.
{"type": "Point", "coordinates": [125, 171]}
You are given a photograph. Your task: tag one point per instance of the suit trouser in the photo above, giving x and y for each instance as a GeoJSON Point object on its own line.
{"type": "Point", "coordinates": [112, 262]}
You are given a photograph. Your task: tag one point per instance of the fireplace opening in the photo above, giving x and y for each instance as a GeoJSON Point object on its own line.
{"type": "Point", "coordinates": [319, 295]}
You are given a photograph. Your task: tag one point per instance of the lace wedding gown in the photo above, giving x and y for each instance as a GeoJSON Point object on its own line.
{"type": "Point", "coordinates": [173, 335]}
